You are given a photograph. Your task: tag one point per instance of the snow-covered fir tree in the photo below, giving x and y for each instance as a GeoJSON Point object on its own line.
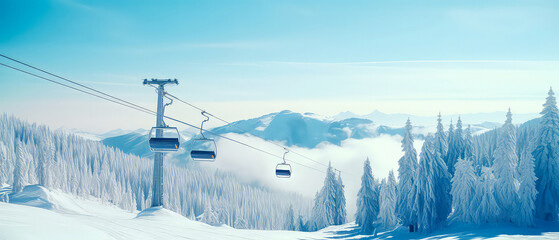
{"type": "Point", "coordinates": [191, 214]}
{"type": "Point", "coordinates": [19, 168]}
{"type": "Point", "coordinates": [484, 204]}
{"type": "Point", "coordinates": [546, 155]}
{"type": "Point", "coordinates": [407, 167]}
{"type": "Point", "coordinates": [463, 191]}
{"type": "Point", "coordinates": [527, 190]}
{"type": "Point", "coordinates": [387, 215]}
{"type": "Point", "coordinates": [504, 167]}
{"type": "Point", "coordinates": [367, 201]}
{"type": "Point", "coordinates": [209, 216]}
{"type": "Point", "coordinates": [468, 144]}
{"type": "Point", "coordinates": [318, 218]}
{"type": "Point", "coordinates": [290, 219]}
{"type": "Point", "coordinates": [240, 223]}
{"type": "Point", "coordinates": [433, 200]}
{"type": "Point", "coordinates": [449, 141]}
{"type": "Point", "coordinates": [45, 162]}
{"type": "Point", "coordinates": [3, 162]}
{"type": "Point", "coordinates": [455, 146]}
{"type": "Point", "coordinates": [301, 224]}
{"type": "Point", "coordinates": [340, 202]}
{"type": "Point", "coordinates": [327, 202]}
{"type": "Point", "coordinates": [425, 203]}
{"type": "Point", "coordinates": [441, 141]}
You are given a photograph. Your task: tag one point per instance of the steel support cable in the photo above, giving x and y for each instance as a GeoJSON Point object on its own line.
{"type": "Point", "coordinates": [244, 130]}
{"type": "Point", "coordinates": [239, 142]}
{"type": "Point", "coordinates": [76, 83]}
{"type": "Point", "coordinates": [77, 89]}
{"type": "Point", "coordinates": [145, 110]}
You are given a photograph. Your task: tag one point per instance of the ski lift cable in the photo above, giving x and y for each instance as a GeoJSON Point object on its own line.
{"type": "Point", "coordinates": [77, 89]}
{"type": "Point", "coordinates": [244, 130]}
{"type": "Point", "coordinates": [143, 109]}
{"type": "Point", "coordinates": [76, 83]}
{"type": "Point", "coordinates": [242, 143]}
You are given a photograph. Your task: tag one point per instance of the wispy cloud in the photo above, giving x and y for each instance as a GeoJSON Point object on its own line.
{"type": "Point", "coordinates": [383, 151]}
{"type": "Point", "coordinates": [406, 61]}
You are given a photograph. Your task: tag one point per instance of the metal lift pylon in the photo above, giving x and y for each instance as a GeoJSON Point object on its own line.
{"type": "Point", "coordinates": [157, 188]}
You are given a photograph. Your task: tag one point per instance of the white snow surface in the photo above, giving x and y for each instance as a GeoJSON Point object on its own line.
{"type": "Point", "coordinates": [40, 213]}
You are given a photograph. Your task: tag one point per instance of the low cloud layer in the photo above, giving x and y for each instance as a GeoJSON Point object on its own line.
{"type": "Point", "coordinates": [254, 166]}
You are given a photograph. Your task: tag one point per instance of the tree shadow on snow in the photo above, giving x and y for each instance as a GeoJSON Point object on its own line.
{"type": "Point", "coordinates": [346, 233]}
{"type": "Point", "coordinates": [458, 231]}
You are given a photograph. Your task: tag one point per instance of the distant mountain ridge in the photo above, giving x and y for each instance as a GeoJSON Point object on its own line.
{"type": "Point", "coordinates": [292, 129]}
{"type": "Point", "coordinates": [303, 130]}
{"type": "Point", "coordinates": [397, 119]}
{"type": "Point", "coordinates": [306, 130]}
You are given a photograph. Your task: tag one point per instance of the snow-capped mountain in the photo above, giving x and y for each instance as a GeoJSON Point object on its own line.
{"type": "Point", "coordinates": [306, 130]}
{"type": "Point", "coordinates": [293, 129]}
{"type": "Point", "coordinates": [302, 129]}
{"type": "Point", "coordinates": [397, 119]}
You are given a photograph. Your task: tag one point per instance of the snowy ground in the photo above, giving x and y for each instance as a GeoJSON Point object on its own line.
{"type": "Point", "coordinates": [39, 213]}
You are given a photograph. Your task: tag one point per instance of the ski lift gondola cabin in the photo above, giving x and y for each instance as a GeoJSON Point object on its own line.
{"type": "Point", "coordinates": [164, 139]}
{"type": "Point", "coordinates": [283, 170]}
{"type": "Point", "coordinates": [203, 149]}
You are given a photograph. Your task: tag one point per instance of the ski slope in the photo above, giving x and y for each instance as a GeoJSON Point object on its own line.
{"type": "Point", "coordinates": [40, 213]}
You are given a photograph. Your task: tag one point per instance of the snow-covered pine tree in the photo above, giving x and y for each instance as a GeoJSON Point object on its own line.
{"type": "Point", "coordinates": [425, 203]}
{"type": "Point", "coordinates": [290, 219]}
{"type": "Point", "coordinates": [3, 163]}
{"type": "Point", "coordinates": [387, 216]}
{"type": "Point", "coordinates": [463, 190]}
{"type": "Point", "coordinates": [451, 145]}
{"type": "Point", "coordinates": [546, 157]}
{"type": "Point", "coordinates": [450, 141]}
{"type": "Point", "coordinates": [340, 202]}
{"type": "Point", "coordinates": [504, 167]}
{"type": "Point", "coordinates": [367, 201]}
{"type": "Point", "coordinates": [527, 191]}
{"type": "Point", "coordinates": [240, 223]}
{"type": "Point", "coordinates": [441, 141]}
{"type": "Point", "coordinates": [44, 162]}
{"type": "Point", "coordinates": [209, 216]}
{"type": "Point", "coordinates": [19, 167]}
{"type": "Point", "coordinates": [325, 210]}
{"type": "Point", "coordinates": [191, 214]}
{"type": "Point", "coordinates": [487, 209]}
{"type": "Point", "coordinates": [468, 145]}
{"type": "Point", "coordinates": [455, 146]}
{"type": "Point", "coordinates": [301, 225]}
{"type": "Point", "coordinates": [318, 218]}
{"type": "Point", "coordinates": [433, 201]}
{"type": "Point", "coordinates": [330, 190]}
{"type": "Point", "coordinates": [406, 173]}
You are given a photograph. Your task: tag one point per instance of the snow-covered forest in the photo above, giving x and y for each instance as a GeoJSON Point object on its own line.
{"type": "Point", "coordinates": [509, 174]}
{"type": "Point", "coordinates": [33, 154]}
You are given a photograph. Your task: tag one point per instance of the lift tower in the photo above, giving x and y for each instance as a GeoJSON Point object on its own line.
{"type": "Point", "coordinates": [157, 188]}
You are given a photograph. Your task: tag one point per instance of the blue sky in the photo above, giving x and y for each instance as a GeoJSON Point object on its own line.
{"type": "Point", "coordinates": [246, 58]}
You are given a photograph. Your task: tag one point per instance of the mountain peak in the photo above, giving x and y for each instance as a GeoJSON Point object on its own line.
{"type": "Point", "coordinates": [285, 112]}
